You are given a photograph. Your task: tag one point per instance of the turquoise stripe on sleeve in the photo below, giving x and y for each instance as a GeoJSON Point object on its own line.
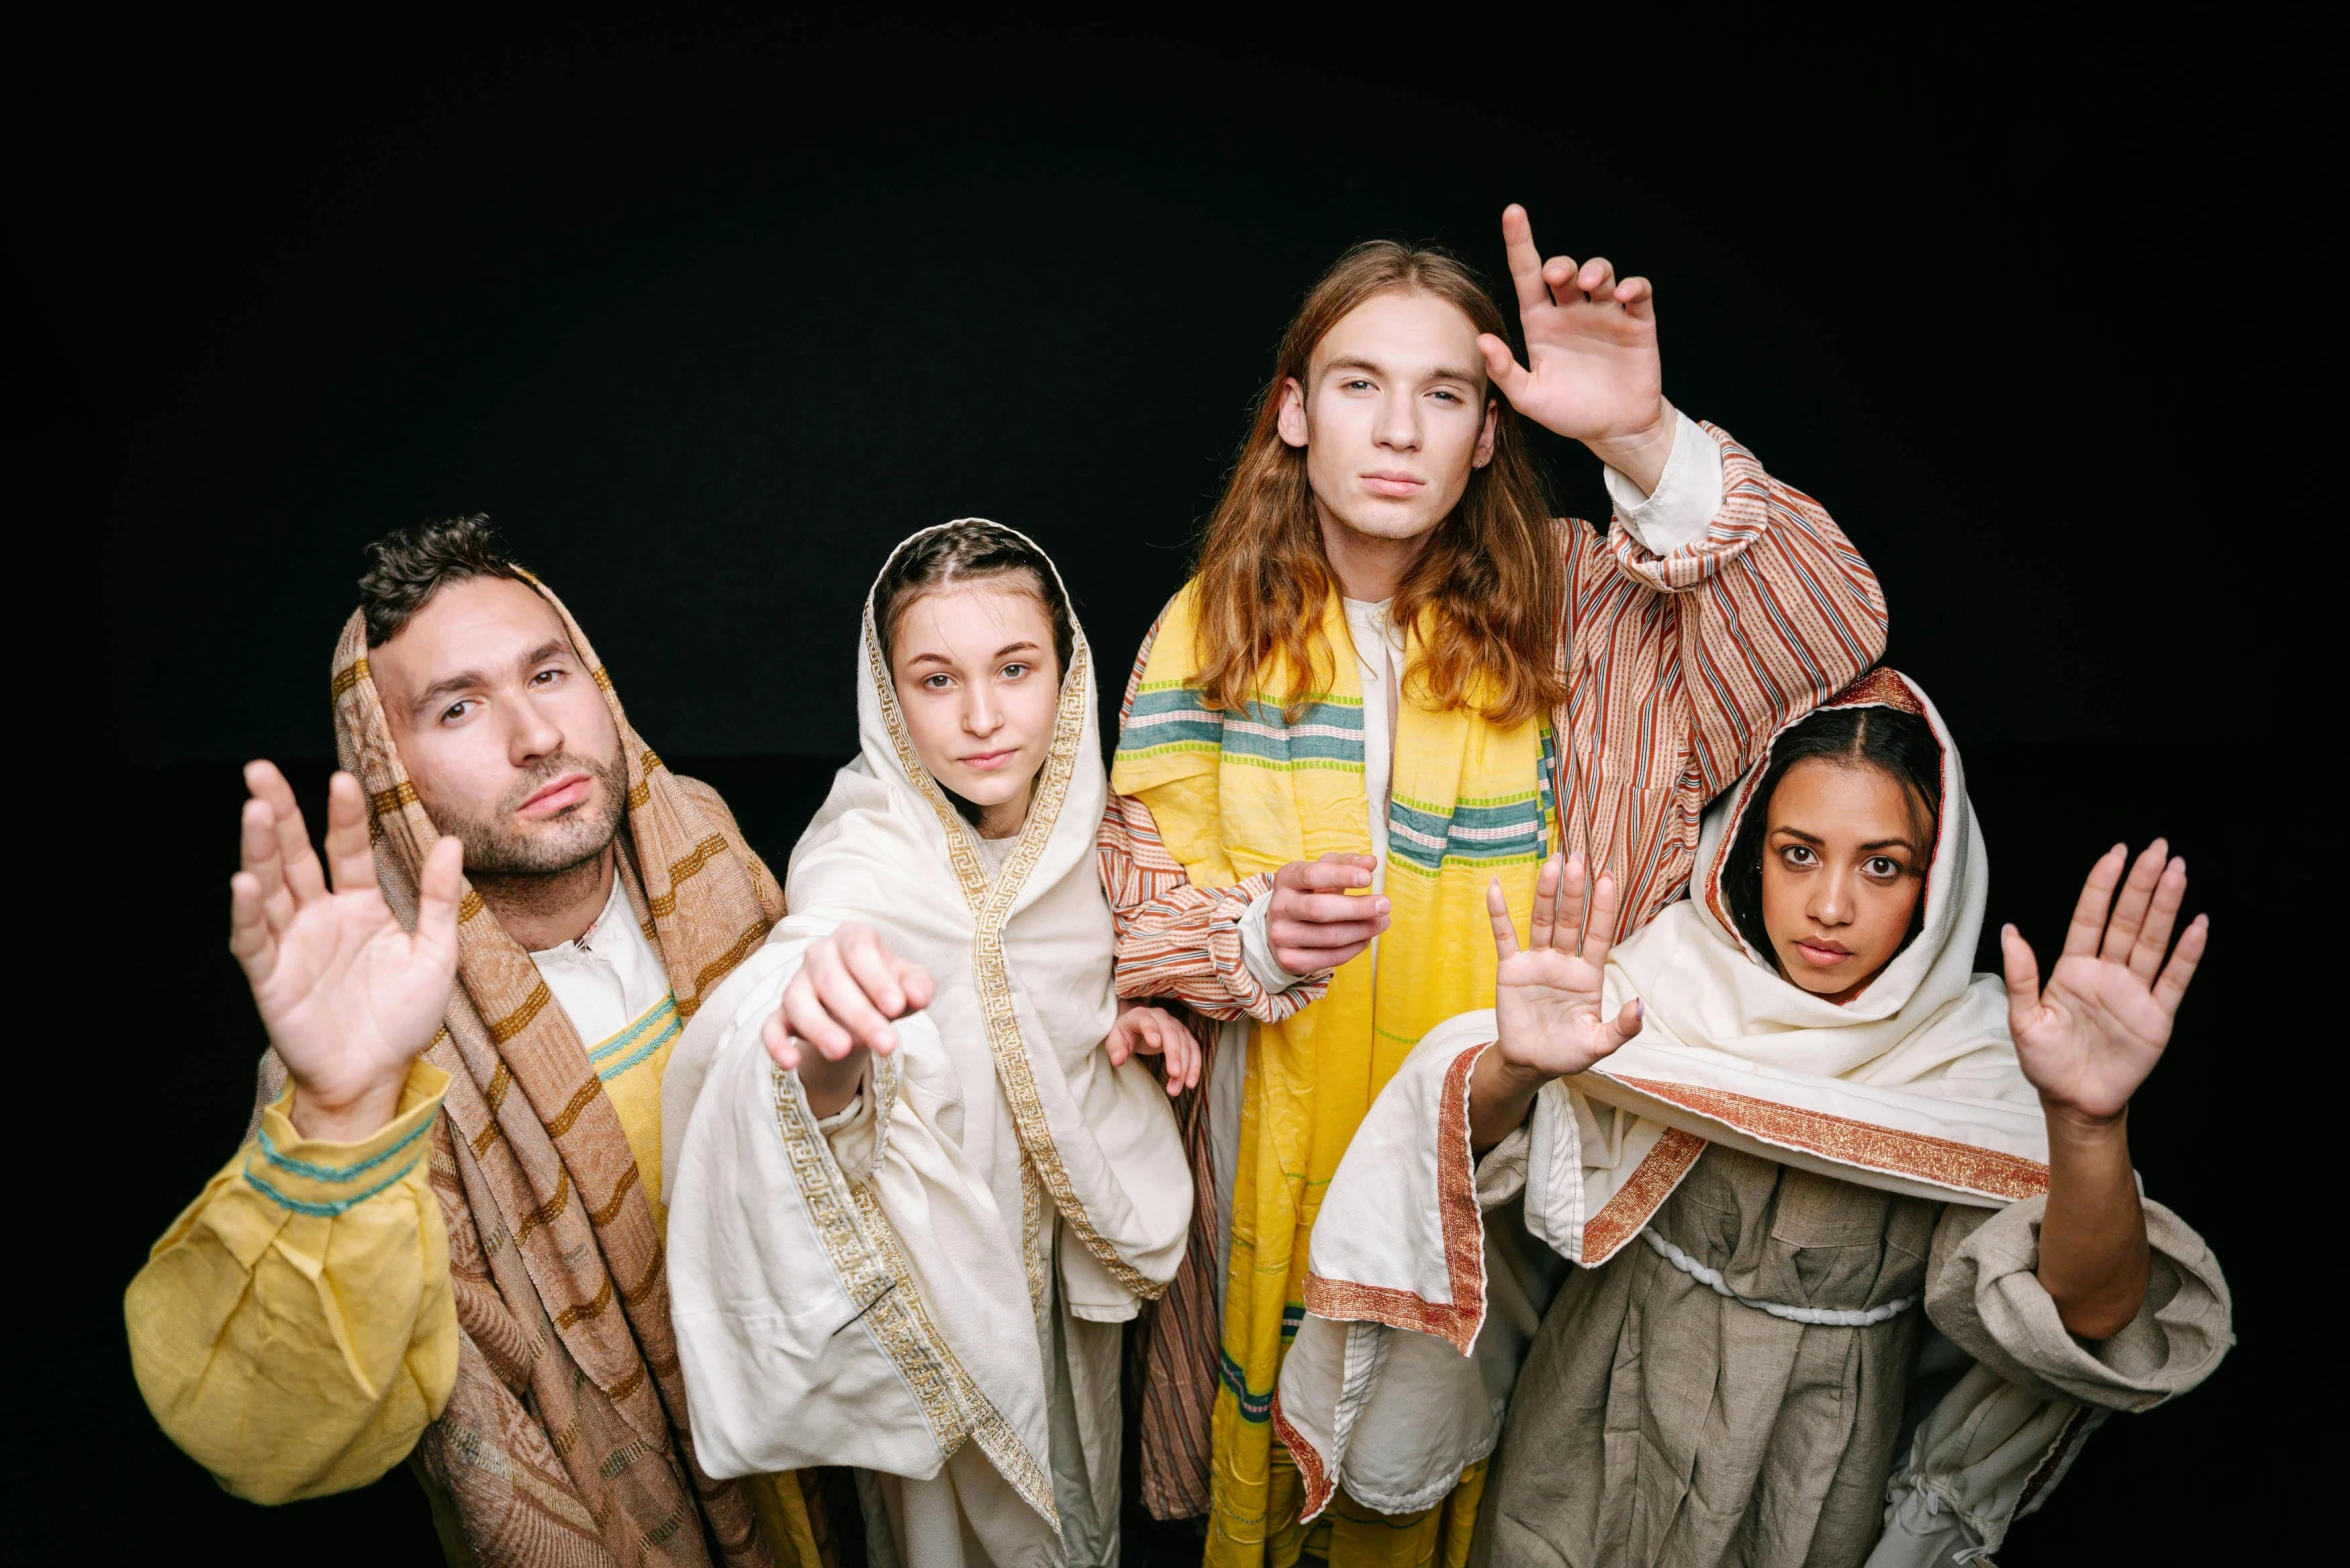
{"type": "Point", "coordinates": [339, 1173]}
{"type": "Point", "coordinates": [330, 1209]}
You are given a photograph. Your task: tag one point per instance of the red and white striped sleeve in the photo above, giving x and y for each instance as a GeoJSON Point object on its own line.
{"type": "Point", "coordinates": [1174, 939]}
{"type": "Point", "coordinates": [1682, 666]}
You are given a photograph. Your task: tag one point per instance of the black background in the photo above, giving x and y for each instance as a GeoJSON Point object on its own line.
{"type": "Point", "coordinates": [709, 314]}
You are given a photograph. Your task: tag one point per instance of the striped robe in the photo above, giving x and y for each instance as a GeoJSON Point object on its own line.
{"type": "Point", "coordinates": [1679, 668]}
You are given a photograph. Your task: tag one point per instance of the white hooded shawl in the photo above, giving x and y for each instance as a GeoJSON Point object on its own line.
{"type": "Point", "coordinates": [1912, 1087]}
{"type": "Point", "coordinates": [869, 1293]}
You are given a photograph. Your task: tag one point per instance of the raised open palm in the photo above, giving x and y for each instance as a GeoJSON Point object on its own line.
{"type": "Point", "coordinates": [348, 997]}
{"type": "Point", "coordinates": [1592, 371]}
{"type": "Point", "coordinates": [1546, 996]}
{"type": "Point", "coordinates": [2092, 1035]}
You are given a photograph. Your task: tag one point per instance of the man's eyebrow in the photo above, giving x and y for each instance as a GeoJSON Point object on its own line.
{"type": "Point", "coordinates": [446, 686]}
{"type": "Point", "coordinates": [450, 685]}
{"type": "Point", "coordinates": [1440, 373]}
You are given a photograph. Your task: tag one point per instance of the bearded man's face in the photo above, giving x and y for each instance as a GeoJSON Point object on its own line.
{"type": "Point", "coordinates": [502, 729]}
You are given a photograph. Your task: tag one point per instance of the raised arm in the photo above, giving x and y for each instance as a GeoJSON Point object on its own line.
{"type": "Point", "coordinates": [294, 1330]}
{"type": "Point", "coordinates": [1767, 608]}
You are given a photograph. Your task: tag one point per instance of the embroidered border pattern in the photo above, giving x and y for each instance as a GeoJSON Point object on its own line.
{"type": "Point", "coordinates": [990, 906]}
{"type": "Point", "coordinates": [1309, 1464]}
{"type": "Point", "coordinates": [1920, 1156]}
{"type": "Point", "coordinates": [1637, 1201]}
{"type": "Point", "coordinates": [1456, 1321]}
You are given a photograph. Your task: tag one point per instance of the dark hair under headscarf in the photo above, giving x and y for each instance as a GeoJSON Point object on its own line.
{"type": "Point", "coordinates": [1899, 744]}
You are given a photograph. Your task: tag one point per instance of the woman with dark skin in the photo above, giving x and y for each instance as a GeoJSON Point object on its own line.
{"type": "Point", "coordinates": [1769, 1128]}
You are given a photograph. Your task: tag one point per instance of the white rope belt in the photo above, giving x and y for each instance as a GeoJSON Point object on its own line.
{"type": "Point", "coordinates": [1712, 1279]}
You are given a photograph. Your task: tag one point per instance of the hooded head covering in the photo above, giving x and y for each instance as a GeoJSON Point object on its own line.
{"type": "Point", "coordinates": [555, 1256]}
{"type": "Point", "coordinates": [922, 1226]}
{"type": "Point", "coordinates": [1913, 1086]}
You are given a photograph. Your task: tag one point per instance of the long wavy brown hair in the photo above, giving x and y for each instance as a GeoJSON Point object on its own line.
{"type": "Point", "coordinates": [1484, 594]}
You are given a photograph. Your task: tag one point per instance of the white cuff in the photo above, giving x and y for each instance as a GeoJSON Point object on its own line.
{"type": "Point", "coordinates": [1680, 511]}
{"type": "Point", "coordinates": [1256, 950]}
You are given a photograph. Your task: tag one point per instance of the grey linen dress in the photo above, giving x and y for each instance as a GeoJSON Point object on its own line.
{"type": "Point", "coordinates": [1658, 1424]}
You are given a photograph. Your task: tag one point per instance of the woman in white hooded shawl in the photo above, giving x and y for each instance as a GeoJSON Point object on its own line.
{"type": "Point", "coordinates": [1764, 1131]}
{"type": "Point", "coordinates": [917, 1176]}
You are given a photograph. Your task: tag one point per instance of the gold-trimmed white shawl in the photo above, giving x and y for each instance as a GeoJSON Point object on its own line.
{"type": "Point", "coordinates": [869, 1294]}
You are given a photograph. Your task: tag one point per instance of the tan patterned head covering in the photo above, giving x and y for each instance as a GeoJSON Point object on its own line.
{"type": "Point", "coordinates": [555, 1258]}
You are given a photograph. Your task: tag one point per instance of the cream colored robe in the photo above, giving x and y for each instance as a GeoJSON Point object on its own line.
{"type": "Point", "coordinates": [929, 1286]}
{"type": "Point", "coordinates": [1843, 1165]}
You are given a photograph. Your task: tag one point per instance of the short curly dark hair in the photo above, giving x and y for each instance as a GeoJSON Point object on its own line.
{"type": "Point", "coordinates": [407, 566]}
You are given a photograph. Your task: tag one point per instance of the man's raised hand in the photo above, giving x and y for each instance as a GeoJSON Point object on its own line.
{"type": "Point", "coordinates": [1592, 371]}
{"type": "Point", "coordinates": [2090, 1038]}
{"type": "Point", "coordinates": [1546, 996]}
{"type": "Point", "coordinates": [839, 1006]}
{"type": "Point", "coordinates": [1314, 922]}
{"type": "Point", "coordinates": [349, 999]}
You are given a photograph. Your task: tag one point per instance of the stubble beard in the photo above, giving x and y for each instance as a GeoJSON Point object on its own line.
{"type": "Point", "coordinates": [497, 851]}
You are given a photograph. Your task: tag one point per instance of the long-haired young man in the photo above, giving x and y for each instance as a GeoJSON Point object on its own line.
{"type": "Point", "coordinates": [1394, 678]}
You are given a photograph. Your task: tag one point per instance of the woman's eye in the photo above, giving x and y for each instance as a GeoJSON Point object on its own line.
{"type": "Point", "coordinates": [1796, 855]}
{"type": "Point", "coordinates": [937, 682]}
{"type": "Point", "coordinates": [1013, 672]}
{"type": "Point", "coordinates": [1881, 867]}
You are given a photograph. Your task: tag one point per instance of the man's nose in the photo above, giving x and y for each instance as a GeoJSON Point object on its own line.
{"type": "Point", "coordinates": [1399, 424]}
{"type": "Point", "coordinates": [533, 733]}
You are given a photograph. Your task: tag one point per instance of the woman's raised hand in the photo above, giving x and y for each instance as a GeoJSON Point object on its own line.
{"type": "Point", "coordinates": [2092, 1035]}
{"type": "Point", "coordinates": [1142, 1030]}
{"type": "Point", "coordinates": [1546, 996]}
{"type": "Point", "coordinates": [839, 1006]}
{"type": "Point", "coordinates": [348, 997]}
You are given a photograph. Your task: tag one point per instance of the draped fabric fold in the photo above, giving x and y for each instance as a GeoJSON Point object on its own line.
{"type": "Point", "coordinates": [889, 1291]}
{"type": "Point", "coordinates": [559, 1287]}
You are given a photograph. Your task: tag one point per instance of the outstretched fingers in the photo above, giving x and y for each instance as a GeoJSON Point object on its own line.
{"type": "Point", "coordinates": [2022, 973]}
{"type": "Point", "coordinates": [263, 860]}
{"type": "Point", "coordinates": [1620, 1028]}
{"type": "Point", "coordinates": [1505, 930]}
{"type": "Point", "coordinates": [2172, 984]}
{"type": "Point", "coordinates": [1525, 262]}
{"type": "Point", "coordinates": [2137, 895]}
{"type": "Point", "coordinates": [1546, 912]}
{"type": "Point", "coordinates": [1599, 932]}
{"type": "Point", "coordinates": [349, 859]}
{"type": "Point", "coordinates": [304, 876]}
{"type": "Point", "coordinates": [2162, 915]}
{"type": "Point", "coordinates": [437, 894]}
{"type": "Point", "coordinates": [249, 935]}
{"type": "Point", "coordinates": [2088, 923]}
{"type": "Point", "coordinates": [1508, 376]}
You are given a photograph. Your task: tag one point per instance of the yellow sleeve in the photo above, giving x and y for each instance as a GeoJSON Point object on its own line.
{"type": "Point", "coordinates": [294, 1331]}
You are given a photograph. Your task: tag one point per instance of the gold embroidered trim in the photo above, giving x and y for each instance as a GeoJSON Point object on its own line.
{"type": "Point", "coordinates": [347, 677]}
{"type": "Point", "coordinates": [861, 1246]}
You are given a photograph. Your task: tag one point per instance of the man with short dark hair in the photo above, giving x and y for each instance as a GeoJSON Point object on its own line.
{"type": "Point", "coordinates": [442, 1236]}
